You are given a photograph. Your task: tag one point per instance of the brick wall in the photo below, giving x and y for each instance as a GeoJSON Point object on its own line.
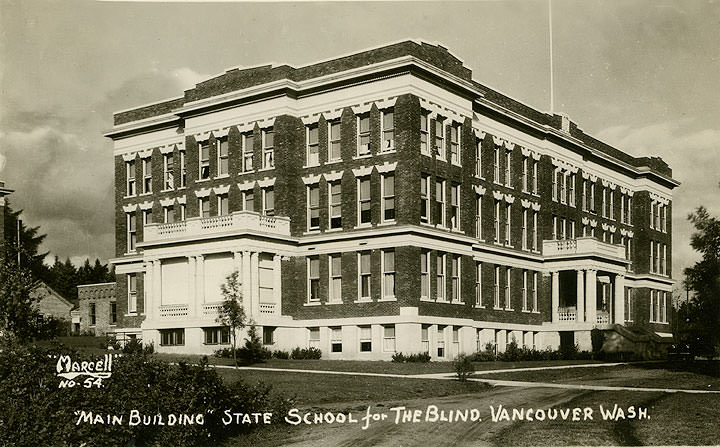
{"type": "Point", "coordinates": [102, 296]}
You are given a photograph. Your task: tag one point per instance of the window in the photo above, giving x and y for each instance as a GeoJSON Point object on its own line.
{"type": "Point", "coordinates": [269, 201]}
{"type": "Point", "coordinates": [652, 306]}
{"type": "Point", "coordinates": [525, 291]}
{"type": "Point", "coordinates": [525, 176]}
{"type": "Point", "coordinates": [168, 169]}
{"type": "Point", "coordinates": [268, 136]}
{"type": "Point", "coordinates": [314, 337]}
{"type": "Point", "coordinates": [365, 339]}
{"type": "Point", "coordinates": [456, 338]}
{"type": "Point", "coordinates": [535, 176]}
{"type": "Point", "coordinates": [604, 203]}
{"type": "Point", "coordinates": [535, 292]}
{"type": "Point", "coordinates": [335, 204]}
{"type": "Point", "coordinates": [248, 151]}
{"type": "Point", "coordinates": [268, 335]}
{"type": "Point", "coordinates": [130, 171]}
{"type": "Point", "coordinates": [313, 146]}
{"type": "Point", "coordinates": [592, 197]}
{"type": "Point", "coordinates": [455, 279]}
{"type": "Point", "coordinates": [425, 274]}
{"type": "Point", "coordinates": [525, 229]}
{"type": "Point", "coordinates": [478, 157]}
{"type": "Point", "coordinates": [584, 195]}
{"type": "Point", "coordinates": [222, 204]}
{"type": "Point", "coordinates": [507, 288]}
{"type": "Point", "coordinates": [571, 189]}
{"type": "Point", "coordinates": [455, 144]}
{"type": "Point", "coordinates": [440, 202]}
{"type": "Point", "coordinates": [172, 337]}
{"type": "Point", "coordinates": [364, 206]}
{"type": "Point", "coordinates": [555, 234]}
{"type": "Point", "coordinates": [441, 341]}
{"type": "Point", "coordinates": [334, 141]}
{"type": "Point", "coordinates": [424, 134]}
{"type": "Point", "coordinates": [364, 275]}
{"type": "Point", "coordinates": [497, 221]}
{"type": "Point", "coordinates": [611, 205]}
{"type": "Point", "coordinates": [478, 216]}
{"type": "Point", "coordinates": [388, 197]}
{"type": "Point", "coordinates": [168, 214]}
{"type": "Point", "coordinates": [425, 337]}
{"type": "Point", "coordinates": [132, 293]}
{"type": "Point", "coordinates": [204, 160]}
{"type": "Point", "coordinates": [389, 338]}
{"type": "Point", "coordinates": [313, 206]}
{"type": "Point", "coordinates": [92, 314]}
{"type": "Point", "coordinates": [336, 339]}
{"type": "Point", "coordinates": [629, 310]}
{"type": "Point", "coordinates": [563, 186]}
{"type": "Point", "coordinates": [113, 312]}
{"type": "Point", "coordinates": [223, 159]}
{"type": "Point", "coordinates": [183, 170]}
{"type": "Point", "coordinates": [455, 206]}
{"type": "Point", "coordinates": [204, 206]}
{"type": "Point", "coordinates": [363, 134]}
{"type": "Point", "coordinates": [388, 131]}
{"type": "Point", "coordinates": [147, 175]}
{"type": "Point", "coordinates": [147, 217]}
{"type": "Point", "coordinates": [496, 170]}
{"type": "Point", "coordinates": [132, 231]}
{"type": "Point", "coordinates": [336, 278]}
{"type": "Point", "coordinates": [629, 210]}
{"type": "Point", "coordinates": [622, 208]}
{"type": "Point", "coordinates": [508, 177]}
{"type": "Point", "coordinates": [248, 200]}
{"type": "Point", "coordinates": [508, 208]}
{"type": "Point", "coordinates": [182, 211]}
{"type": "Point", "coordinates": [440, 280]}
{"type": "Point", "coordinates": [424, 198]}
{"type": "Point", "coordinates": [478, 284]}
{"type": "Point", "coordinates": [313, 263]}
{"type": "Point", "coordinates": [535, 231]}
{"type": "Point", "coordinates": [496, 288]}
{"type": "Point", "coordinates": [388, 268]}
{"type": "Point", "coordinates": [217, 335]}
{"type": "Point", "coordinates": [439, 138]}
{"type": "Point", "coordinates": [652, 215]}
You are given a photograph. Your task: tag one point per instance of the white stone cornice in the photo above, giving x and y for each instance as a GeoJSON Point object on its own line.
{"type": "Point", "coordinates": [267, 181]}
{"type": "Point", "coordinates": [266, 122]}
{"type": "Point", "coordinates": [386, 103]}
{"type": "Point", "coordinates": [363, 171]}
{"type": "Point", "coordinates": [479, 133]}
{"type": "Point", "coordinates": [386, 167]}
{"type": "Point", "coordinates": [145, 153]}
{"type": "Point", "coordinates": [145, 206]}
{"type": "Point", "coordinates": [168, 148]}
{"type": "Point", "coordinates": [130, 208]}
{"type": "Point", "coordinates": [129, 156]}
{"type": "Point", "coordinates": [479, 189]}
{"type": "Point", "coordinates": [359, 109]}
{"type": "Point", "coordinates": [311, 179]}
{"type": "Point", "coordinates": [167, 202]}
{"type": "Point", "coordinates": [245, 127]}
{"type": "Point", "coordinates": [333, 176]}
{"type": "Point", "coordinates": [331, 115]}
{"type": "Point", "coordinates": [201, 136]}
{"type": "Point", "coordinates": [222, 189]}
{"type": "Point", "coordinates": [244, 186]}
{"type": "Point", "coordinates": [630, 234]}
{"type": "Point", "coordinates": [623, 232]}
{"type": "Point", "coordinates": [205, 192]}
{"type": "Point", "coordinates": [310, 119]}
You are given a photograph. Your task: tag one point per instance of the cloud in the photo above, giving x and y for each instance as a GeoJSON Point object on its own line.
{"type": "Point", "coordinates": [694, 156]}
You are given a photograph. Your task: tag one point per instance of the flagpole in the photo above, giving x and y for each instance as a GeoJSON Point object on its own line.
{"type": "Point", "coordinates": [552, 93]}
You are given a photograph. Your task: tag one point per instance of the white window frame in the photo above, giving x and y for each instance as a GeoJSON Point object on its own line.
{"type": "Point", "coordinates": [478, 157]}
{"type": "Point", "coordinates": [612, 204]}
{"type": "Point", "coordinates": [132, 293]}
{"type": "Point", "coordinates": [508, 168]}
{"type": "Point", "coordinates": [220, 199]}
{"type": "Point", "coordinates": [365, 336]}
{"type": "Point", "coordinates": [571, 189]}
{"type": "Point", "coordinates": [497, 221]}
{"type": "Point", "coordinates": [442, 203]}
{"type": "Point", "coordinates": [439, 142]}
{"type": "Point", "coordinates": [168, 171]}
{"type": "Point", "coordinates": [455, 146]}
{"type": "Point", "coordinates": [147, 175]}
{"type": "Point", "coordinates": [507, 289]}
{"type": "Point", "coordinates": [268, 211]}
{"type": "Point", "coordinates": [313, 208]}
{"type": "Point", "coordinates": [455, 275]}
{"type": "Point", "coordinates": [218, 146]}
{"type": "Point", "coordinates": [441, 277]}
{"type": "Point", "coordinates": [455, 206]}
{"type": "Point", "coordinates": [183, 170]}
{"type": "Point", "coordinates": [478, 284]}
{"type": "Point", "coordinates": [384, 131]}
{"type": "Point", "coordinates": [311, 278]}
{"type": "Point", "coordinates": [508, 228]}
{"type": "Point", "coordinates": [361, 200]}
{"type": "Point", "coordinates": [425, 133]}
{"type": "Point", "coordinates": [268, 150]}
{"type": "Point", "coordinates": [388, 273]}
{"type": "Point", "coordinates": [425, 182]}
{"type": "Point", "coordinates": [131, 182]}
{"type": "Point", "coordinates": [525, 291]}
{"type": "Point", "coordinates": [535, 292]}
{"type": "Point", "coordinates": [536, 166]}
{"type": "Point", "coordinates": [535, 230]}
{"type": "Point", "coordinates": [248, 194]}
{"type": "Point", "coordinates": [525, 176]}
{"type": "Point", "coordinates": [386, 197]}
{"type": "Point", "coordinates": [478, 216]}
{"type": "Point", "coordinates": [203, 163]}
{"type": "Point", "coordinates": [131, 231]}
{"type": "Point", "coordinates": [248, 154]}
{"type": "Point", "coordinates": [167, 213]}
{"type": "Point", "coordinates": [389, 338]}
{"type": "Point", "coordinates": [362, 275]}
{"type": "Point", "coordinates": [312, 148]}
{"type": "Point", "coordinates": [334, 277]}
{"type": "Point", "coordinates": [331, 204]}
{"type": "Point", "coordinates": [425, 274]}
{"type": "Point", "coordinates": [330, 124]}
{"type": "Point", "coordinates": [496, 288]}
{"type": "Point", "coordinates": [525, 229]}
{"type": "Point", "coordinates": [201, 202]}
{"type": "Point", "coordinates": [363, 149]}
{"type": "Point", "coordinates": [496, 168]}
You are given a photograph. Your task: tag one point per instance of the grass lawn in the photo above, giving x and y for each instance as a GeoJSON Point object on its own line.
{"type": "Point", "coordinates": [698, 375]}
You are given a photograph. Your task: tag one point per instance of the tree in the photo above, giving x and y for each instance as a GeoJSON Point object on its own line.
{"type": "Point", "coordinates": [30, 242]}
{"type": "Point", "coordinates": [18, 314]}
{"type": "Point", "coordinates": [232, 313]}
{"type": "Point", "coordinates": [701, 315]}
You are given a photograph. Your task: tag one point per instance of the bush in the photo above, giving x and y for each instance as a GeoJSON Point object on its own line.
{"type": "Point", "coordinates": [135, 346]}
{"type": "Point", "coordinates": [253, 351]}
{"type": "Point", "coordinates": [399, 357]}
{"type": "Point", "coordinates": [464, 367]}
{"type": "Point", "coordinates": [35, 411]}
{"type": "Point", "coordinates": [282, 355]}
{"type": "Point", "coordinates": [306, 354]}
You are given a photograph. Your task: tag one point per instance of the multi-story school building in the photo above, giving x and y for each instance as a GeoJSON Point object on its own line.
{"type": "Point", "coordinates": [382, 202]}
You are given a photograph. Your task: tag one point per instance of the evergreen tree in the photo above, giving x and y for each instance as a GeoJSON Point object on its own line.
{"type": "Point", "coordinates": [30, 241]}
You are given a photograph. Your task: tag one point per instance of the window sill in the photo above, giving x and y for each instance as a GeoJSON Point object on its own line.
{"type": "Point", "coordinates": [312, 166]}
{"type": "Point", "coordinates": [363, 225]}
{"type": "Point", "coordinates": [333, 162]}
{"type": "Point", "coordinates": [386, 223]}
{"type": "Point", "coordinates": [269, 168]}
{"type": "Point", "coordinates": [479, 177]}
{"type": "Point", "coordinates": [426, 300]}
{"type": "Point", "coordinates": [130, 197]}
{"type": "Point", "coordinates": [462, 303]}
{"type": "Point", "coordinates": [313, 231]}
{"type": "Point", "coordinates": [167, 190]}
{"type": "Point", "coordinates": [245, 172]}
{"type": "Point", "coordinates": [221, 176]}
{"type": "Point", "coordinates": [479, 306]}
{"type": "Point", "coordinates": [145, 194]}
{"type": "Point", "coordinates": [389, 151]}
{"type": "Point", "coordinates": [535, 312]}
{"type": "Point", "coordinates": [387, 299]}
{"type": "Point", "coordinates": [360, 157]}
{"type": "Point", "coordinates": [333, 303]}
{"type": "Point", "coordinates": [454, 163]}
{"type": "Point", "coordinates": [509, 309]}
{"type": "Point", "coordinates": [132, 314]}
{"type": "Point", "coordinates": [497, 308]}
{"type": "Point", "coordinates": [363, 300]}
{"type": "Point", "coordinates": [202, 180]}
{"type": "Point", "coordinates": [312, 303]}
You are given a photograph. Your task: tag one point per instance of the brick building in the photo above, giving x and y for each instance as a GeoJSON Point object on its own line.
{"type": "Point", "coordinates": [382, 202]}
{"type": "Point", "coordinates": [97, 309]}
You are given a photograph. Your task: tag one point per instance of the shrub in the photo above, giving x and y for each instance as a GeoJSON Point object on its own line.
{"type": "Point", "coordinates": [306, 354]}
{"type": "Point", "coordinates": [135, 346]}
{"type": "Point", "coordinates": [399, 357]}
{"type": "Point", "coordinates": [464, 367]}
{"type": "Point", "coordinates": [283, 355]}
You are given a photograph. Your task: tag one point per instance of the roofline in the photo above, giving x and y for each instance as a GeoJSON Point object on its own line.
{"type": "Point", "coordinates": [40, 282]}
{"type": "Point", "coordinates": [97, 284]}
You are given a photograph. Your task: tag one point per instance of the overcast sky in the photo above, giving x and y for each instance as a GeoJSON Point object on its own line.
{"type": "Point", "coordinates": [641, 75]}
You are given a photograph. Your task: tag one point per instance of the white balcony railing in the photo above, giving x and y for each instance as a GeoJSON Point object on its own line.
{"type": "Point", "coordinates": [203, 226]}
{"type": "Point", "coordinates": [211, 309]}
{"type": "Point", "coordinates": [603, 318]}
{"type": "Point", "coordinates": [174, 311]}
{"type": "Point", "coordinates": [268, 308]}
{"type": "Point", "coordinates": [567, 314]}
{"type": "Point", "coordinates": [582, 246]}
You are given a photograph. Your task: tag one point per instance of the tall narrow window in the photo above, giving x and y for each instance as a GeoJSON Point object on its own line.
{"type": "Point", "coordinates": [335, 203]}
{"type": "Point", "coordinates": [562, 180]}
{"type": "Point", "coordinates": [440, 138]}
{"type": "Point", "coordinates": [497, 221]}
{"type": "Point", "coordinates": [496, 165]}
{"type": "Point", "coordinates": [113, 312]}
{"type": "Point", "coordinates": [508, 165]}
{"type": "Point", "coordinates": [313, 206]}
{"type": "Point", "coordinates": [525, 290]}
{"type": "Point", "coordinates": [389, 338]}
{"type": "Point", "coordinates": [584, 195]}
{"type": "Point", "coordinates": [92, 314]}
{"type": "Point", "coordinates": [592, 197]}
{"type": "Point", "coordinates": [555, 185]}
{"type": "Point", "coordinates": [269, 201]}
{"type": "Point", "coordinates": [364, 275]}
{"type": "Point", "coordinates": [182, 211]}
{"type": "Point", "coordinates": [424, 198]}
{"type": "Point", "coordinates": [455, 206]}
{"type": "Point", "coordinates": [535, 292]}
{"type": "Point", "coordinates": [478, 157]}
{"type": "Point", "coordinates": [612, 205]}
{"type": "Point", "coordinates": [365, 339]}
{"type": "Point", "coordinates": [535, 231]}
{"type": "Point", "coordinates": [364, 205]}
{"type": "Point", "coordinates": [183, 170]}
{"type": "Point", "coordinates": [222, 204]}
{"type": "Point", "coordinates": [478, 216]}
{"type": "Point", "coordinates": [388, 267]}
{"type": "Point", "coordinates": [132, 293]}
{"type": "Point", "coordinates": [455, 144]}
{"type": "Point", "coordinates": [132, 231]}
{"type": "Point", "coordinates": [248, 200]}
{"type": "Point", "coordinates": [603, 204]}
{"type": "Point", "coordinates": [425, 337]}
{"type": "Point", "coordinates": [535, 176]}
{"type": "Point", "coordinates": [622, 208]}
{"type": "Point", "coordinates": [223, 156]}
{"type": "Point", "coordinates": [455, 278]}
{"type": "Point", "coordinates": [204, 160]}
{"type": "Point", "coordinates": [336, 339]}
{"type": "Point", "coordinates": [268, 140]}
{"type": "Point", "coordinates": [478, 284]}
{"type": "Point", "coordinates": [525, 176]}
{"type": "Point", "coordinates": [363, 134]}
{"type": "Point", "coordinates": [314, 337]}
{"type": "Point", "coordinates": [334, 143]}
{"type": "Point", "coordinates": [313, 146]}
{"type": "Point", "coordinates": [425, 274]}
{"type": "Point", "coordinates": [440, 273]}
{"type": "Point", "coordinates": [204, 206]}
{"type": "Point", "coordinates": [440, 202]}
{"type": "Point", "coordinates": [507, 288]}
{"type": "Point", "coordinates": [130, 173]}
{"type": "Point", "coordinates": [168, 214]}
{"type": "Point", "coordinates": [313, 268]}
{"type": "Point", "coordinates": [571, 189]}
{"type": "Point", "coordinates": [555, 233]}
{"type": "Point", "coordinates": [508, 214]}
{"type": "Point", "coordinates": [147, 175]}
{"type": "Point", "coordinates": [336, 278]}
{"type": "Point", "coordinates": [147, 217]}
{"type": "Point", "coordinates": [388, 131]}
{"type": "Point", "coordinates": [424, 134]}
{"type": "Point", "coordinates": [388, 197]}
{"type": "Point", "coordinates": [168, 171]}
{"type": "Point", "coordinates": [248, 151]}
{"type": "Point", "coordinates": [629, 210]}
{"type": "Point", "coordinates": [525, 229]}
{"type": "Point", "coordinates": [496, 288]}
